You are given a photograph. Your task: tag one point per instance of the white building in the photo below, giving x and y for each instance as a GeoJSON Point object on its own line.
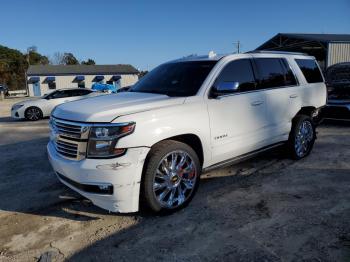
{"type": "Point", "coordinates": [42, 79]}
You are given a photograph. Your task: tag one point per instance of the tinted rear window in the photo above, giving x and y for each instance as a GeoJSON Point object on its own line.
{"type": "Point", "coordinates": [274, 72]}
{"type": "Point", "coordinates": [310, 70]}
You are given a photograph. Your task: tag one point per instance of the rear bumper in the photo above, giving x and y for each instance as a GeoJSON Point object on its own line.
{"type": "Point", "coordinates": [339, 111]}
{"type": "Point", "coordinates": [112, 184]}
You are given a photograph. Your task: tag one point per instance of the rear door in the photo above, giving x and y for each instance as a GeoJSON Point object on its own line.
{"type": "Point", "coordinates": [238, 120]}
{"type": "Point", "coordinates": [280, 87]}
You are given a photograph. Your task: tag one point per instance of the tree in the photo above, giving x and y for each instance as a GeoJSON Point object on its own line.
{"type": "Point", "coordinates": [12, 67]}
{"type": "Point", "coordinates": [34, 58]}
{"type": "Point", "coordinates": [57, 59]}
{"type": "Point", "coordinates": [88, 62]}
{"type": "Point", "coordinates": [69, 59]}
{"type": "Point", "coordinates": [66, 58]}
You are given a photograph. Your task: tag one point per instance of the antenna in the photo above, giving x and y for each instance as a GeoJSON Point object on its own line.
{"type": "Point", "coordinates": [237, 45]}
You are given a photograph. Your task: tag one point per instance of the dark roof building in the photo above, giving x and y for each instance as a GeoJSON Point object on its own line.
{"type": "Point", "coordinates": [42, 79]}
{"type": "Point", "coordinates": [81, 70]}
{"type": "Point", "coordinates": [328, 49]}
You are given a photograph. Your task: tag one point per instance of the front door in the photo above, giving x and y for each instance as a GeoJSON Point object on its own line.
{"type": "Point", "coordinates": [237, 121]}
{"type": "Point", "coordinates": [36, 89]}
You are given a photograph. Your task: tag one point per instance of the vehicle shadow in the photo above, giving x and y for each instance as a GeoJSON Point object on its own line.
{"type": "Point", "coordinates": [8, 119]}
{"type": "Point", "coordinates": [239, 217]}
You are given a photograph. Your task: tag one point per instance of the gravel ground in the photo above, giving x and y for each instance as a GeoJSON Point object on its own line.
{"type": "Point", "coordinates": [269, 208]}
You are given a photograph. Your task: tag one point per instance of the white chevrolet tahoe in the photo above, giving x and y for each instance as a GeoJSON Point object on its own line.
{"type": "Point", "coordinates": [151, 144]}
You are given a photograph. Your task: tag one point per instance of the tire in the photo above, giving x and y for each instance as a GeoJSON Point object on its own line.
{"type": "Point", "coordinates": [33, 113]}
{"type": "Point", "coordinates": [166, 187]}
{"type": "Point", "coordinates": [302, 137]}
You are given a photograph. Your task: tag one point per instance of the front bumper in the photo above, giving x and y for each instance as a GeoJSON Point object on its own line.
{"type": "Point", "coordinates": [112, 184]}
{"type": "Point", "coordinates": [17, 114]}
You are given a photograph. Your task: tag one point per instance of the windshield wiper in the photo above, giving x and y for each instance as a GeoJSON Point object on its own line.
{"type": "Point", "coordinates": [151, 91]}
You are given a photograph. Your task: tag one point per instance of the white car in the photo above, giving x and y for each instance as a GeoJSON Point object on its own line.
{"type": "Point", "coordinates": [35, 109]}
{"type": "Point", "coordinates": [150, 145]}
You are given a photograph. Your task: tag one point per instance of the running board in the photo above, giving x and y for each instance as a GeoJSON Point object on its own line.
{"type": "Point", "coordinates": [241, 158]}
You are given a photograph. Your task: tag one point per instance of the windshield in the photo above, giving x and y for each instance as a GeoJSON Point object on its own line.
{"type": "Point", "coordinates": [175, 79]}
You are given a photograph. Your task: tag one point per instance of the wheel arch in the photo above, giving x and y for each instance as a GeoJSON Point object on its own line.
{"type": "Point", "coordinates": [306, 110]}
{"type": "Point", "coordinates": [189, 139]}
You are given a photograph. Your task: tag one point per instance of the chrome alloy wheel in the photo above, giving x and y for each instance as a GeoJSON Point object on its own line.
{"type": "Point", "coordinates": [303, 138]}
{"type": "Point", "coordinates": [33, 114]}
{"type": "Point", "coordinates": [175, 179]}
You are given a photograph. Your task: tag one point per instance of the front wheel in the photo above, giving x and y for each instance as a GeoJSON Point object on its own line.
{"type": "Point", "coordinates": [33, 113]}
{"type": "Point", "coordinates": [302, 137]}
{"type": "Point", "coordinates": [171, 176]}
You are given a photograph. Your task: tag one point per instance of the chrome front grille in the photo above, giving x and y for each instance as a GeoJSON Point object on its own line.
{"type": "Point", "coordinates": [69, 138]}
{"type": "Point", "coordinates": [67, 149]}
{"type": "Point", "coordinates": [67, 129]}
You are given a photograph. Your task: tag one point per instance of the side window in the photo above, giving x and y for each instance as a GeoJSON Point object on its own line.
{"type": "Point", "coordinates": [74, 92]}
{"type": "Point", "coordinates": [271, 73]}
{"type": "Point", "coordinates": [238, 71]}
{"type": "Point", "coordinates": [57, 94]}
{"type": "Point", "coordinates": [289, 76]}
{"type": "Point", "coordinates": [62, 94]}
{"type": "Point", "coordinates": [82, 92]}
{"type": "Point", "coordinates": [310, 70]}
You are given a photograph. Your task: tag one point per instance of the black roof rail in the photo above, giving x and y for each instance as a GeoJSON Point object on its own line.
{"type": "Point", "coordinates": [275, 52]}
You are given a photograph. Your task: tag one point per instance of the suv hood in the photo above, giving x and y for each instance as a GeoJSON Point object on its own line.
{"type": "Point", "coordinates": [108, 107]}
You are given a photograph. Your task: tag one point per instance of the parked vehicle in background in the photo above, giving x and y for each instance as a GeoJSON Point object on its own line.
{"type": "Point", "coordinates": [185, 117]}
{"type": "Point", "coordinates": [338, 85]}
{"type": "Point", "coordinates": [36, 109]}
{"type": "Point", "coordinates": [17, 93]}
{"type": "Point", "coordinates": [3, 89]}
{"type": "Point", "coordinates": [105, 88]}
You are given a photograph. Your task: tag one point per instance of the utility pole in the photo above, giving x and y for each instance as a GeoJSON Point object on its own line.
{"type": "Point", "coordinates": [237, 45]}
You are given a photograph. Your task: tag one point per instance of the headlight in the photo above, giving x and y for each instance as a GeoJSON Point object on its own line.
{"type": "Point", "coordinates": [16, 107]}
{"type": "Point", "coordinates": [103, 140]}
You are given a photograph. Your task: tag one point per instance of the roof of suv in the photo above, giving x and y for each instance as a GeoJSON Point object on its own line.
{"type": "Point", "coordinates": [217, 57]}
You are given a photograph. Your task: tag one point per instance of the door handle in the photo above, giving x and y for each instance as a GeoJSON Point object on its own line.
{"type": "Point", "coordinates": [293, 96]}
{"type": "Point", "coordinates": [257, 103]}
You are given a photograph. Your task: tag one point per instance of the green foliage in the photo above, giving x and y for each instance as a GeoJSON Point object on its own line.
{"type": "Point", "coordinates": [14, 64]}
{"type": "Point", "coordinates": [12, 68]}
{"type": "Point", "coordinates": [69, 59]}
{"type": "Point", "coordinates": [37, 59]}
{"type": "Point", "coordinates": [88, 62]}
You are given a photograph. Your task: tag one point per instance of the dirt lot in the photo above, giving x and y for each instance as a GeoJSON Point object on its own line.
{"type": "Point", "coordinates": [267, 209]}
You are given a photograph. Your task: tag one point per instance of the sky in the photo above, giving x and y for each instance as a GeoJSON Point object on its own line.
{"type": "Point", "coordinates": [148, 33]}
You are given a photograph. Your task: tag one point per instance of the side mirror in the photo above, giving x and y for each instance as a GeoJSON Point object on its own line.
{"type": "Point", "coordinates": [224, 88]}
